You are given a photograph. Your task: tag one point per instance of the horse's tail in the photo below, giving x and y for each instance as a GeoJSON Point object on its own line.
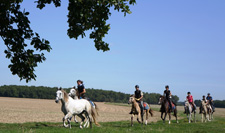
{"type": "Point", "coordinates": [93, 114]}
{"type": "Point", "coordinates": [151, 111]}
{"type": "Point", "coordinates": [96, 108]}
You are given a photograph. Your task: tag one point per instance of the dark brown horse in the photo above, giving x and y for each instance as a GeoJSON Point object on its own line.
{"type": "Point", "coordinates": [165, 109]}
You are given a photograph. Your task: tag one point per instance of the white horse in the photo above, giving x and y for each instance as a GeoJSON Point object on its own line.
{"type": "Point", "coordinates": [189, 110]}
{"type": "Point", "coordinates": [71, 107]}
{"type": "Point", "coordinates": [75, 97]}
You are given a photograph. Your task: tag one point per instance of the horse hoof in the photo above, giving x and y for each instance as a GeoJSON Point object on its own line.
{"type": "Point", "coordinates": [66, 125]}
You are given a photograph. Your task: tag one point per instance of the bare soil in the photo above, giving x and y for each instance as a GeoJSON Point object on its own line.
{"type": "Point", "coordinates": [21, 110]}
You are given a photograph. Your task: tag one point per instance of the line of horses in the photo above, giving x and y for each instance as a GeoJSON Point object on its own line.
{"type": "Point", "coordinates": [206, 111]}
{"type": "Point", "coordinates": [85, 109]}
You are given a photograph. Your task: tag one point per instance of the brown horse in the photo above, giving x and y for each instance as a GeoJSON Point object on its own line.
{"type": "Point", "coordinates": [137, 111]}
{"type": "Point", "coordinates": [165, 109]}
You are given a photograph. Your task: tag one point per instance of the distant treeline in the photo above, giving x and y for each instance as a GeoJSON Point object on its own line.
{"type": "Point", "coordinates": [98, 95]}
{"type": "Point", "coordinates": [217, 103]}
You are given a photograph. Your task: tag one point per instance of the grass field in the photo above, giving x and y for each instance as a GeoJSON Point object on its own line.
{"type": "Point", "coordinates": [216, 126]}
{"type": "Point", "coordinates": [40, 116]}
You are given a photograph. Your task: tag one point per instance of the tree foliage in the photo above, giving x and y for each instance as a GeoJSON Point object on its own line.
{"type": "Point", "coordinates": [25, 48]}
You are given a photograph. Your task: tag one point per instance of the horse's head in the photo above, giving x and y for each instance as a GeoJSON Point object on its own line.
{"type": "Point", "coordinates": [186, 103]}
{"type": "Point", "coordinates": [161, 98]}
{"type": "Point", "coordinates": [59, 95]}
{"type": "Point", "coordinates": [131, 99]}
{"type": "Point", "coordinates": [73, 93]}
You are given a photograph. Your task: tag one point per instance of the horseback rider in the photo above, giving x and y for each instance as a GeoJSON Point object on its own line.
{"type": "Point", "coordinates": [138, 94]}
{"type": "Point", "coordinates": [81, 89]}
{"type": "Point", "coordinates": [203, 100]}
{"type": "Point", "coordinates": [191, 100]}
{"type": "Point", "coordinates": [168, 96]}
{"type": "Point", "coordinates": [210, 101]}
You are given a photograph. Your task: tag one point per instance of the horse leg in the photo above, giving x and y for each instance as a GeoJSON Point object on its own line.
{"type": "Point", "coordinates": [169, 117]}
{"type": "Point", "coordinates": [189, 118]}
{"type": "Point", "coordinates": [175, 114]}
{"type": "Point", "coordinates": [164, 117]}
{"type": "Point", "coordinates": [89, 121]}
{"type": "Point", "coordinates": [146, 119]}
{"type": "Point", "coordinates": [132, 117]}
{"type": "Point", "coordinates": [64, 123]}
{"type": "Point", "coordinates": [138, 117]}
{"type": "Point", "coordinates": [82, 120]}
{"type": "Point", "coordinates": [67, 117]}
{"type": "Point", "coordinates": [202, 117]}
{"type": "Point", "coordinates": [206, 117]}
{"type": "Point", "coordinates": [75, 119]}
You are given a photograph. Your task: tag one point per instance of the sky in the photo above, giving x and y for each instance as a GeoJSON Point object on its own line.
{"type": "Point", "coordinates": [176, 43]}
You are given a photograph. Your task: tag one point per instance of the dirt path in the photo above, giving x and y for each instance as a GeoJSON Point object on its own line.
{"type": "Point", "coordinates": [20, 110]}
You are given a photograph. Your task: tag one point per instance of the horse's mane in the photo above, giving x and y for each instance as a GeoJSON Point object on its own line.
{"type": "Point", "coordinates": [66, 97]}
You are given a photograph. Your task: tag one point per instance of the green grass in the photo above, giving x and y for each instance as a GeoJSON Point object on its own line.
{"type": "Point", "coordinates": [128, 105]}
{"type": "Point", "coordinates": [119, 104]}
{"type": "Point", "coordinates": [218, 125]}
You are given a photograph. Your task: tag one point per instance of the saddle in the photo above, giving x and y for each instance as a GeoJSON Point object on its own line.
{"type": "Point", "coordinates": [146, 106]}
{"type": "Point", "coordinates": [173, 106]}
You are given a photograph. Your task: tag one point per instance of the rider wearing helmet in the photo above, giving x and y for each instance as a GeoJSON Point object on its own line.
{"type": "Point", "coordinates": [191, 100]}
{"type": "Point", "coordinates": [138, 94]}
{"type": "Point", "coordinates": [210, 100]}
{"type": "Point", "coordinates": [81, 89]}
{"type": "Point", "coordinates": [168, 95]}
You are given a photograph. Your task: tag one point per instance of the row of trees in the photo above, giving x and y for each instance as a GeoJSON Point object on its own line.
{"type": "Point", "coordinates": [217, 103]}
{"type": "Point", "coordinates": [97, 95]}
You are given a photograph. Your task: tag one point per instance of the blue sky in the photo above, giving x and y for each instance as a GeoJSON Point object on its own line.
{"type": "Point", "coordinates": [179, 43]}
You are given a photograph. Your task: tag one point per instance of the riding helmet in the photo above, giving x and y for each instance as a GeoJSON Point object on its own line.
{"type": "Point", "coordinates": [136, 86]}
{"type": "Point", "coordinates": [189, 93]}
{"type": "Point", "coordinates": [167, 86]}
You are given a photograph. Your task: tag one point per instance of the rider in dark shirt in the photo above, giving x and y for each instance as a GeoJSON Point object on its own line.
{"type": "Point", "coordinates": [210, 100]}
{"type": "Point", "coordinates": [168, 95]}
{"type": "Point", "coordinates": [138, 94]}
{"type": "Point", "coordinates": [81, 89]}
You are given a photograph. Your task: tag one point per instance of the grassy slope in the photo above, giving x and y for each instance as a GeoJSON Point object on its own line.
{"type": "Point", "coordinates": [218, 125]}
